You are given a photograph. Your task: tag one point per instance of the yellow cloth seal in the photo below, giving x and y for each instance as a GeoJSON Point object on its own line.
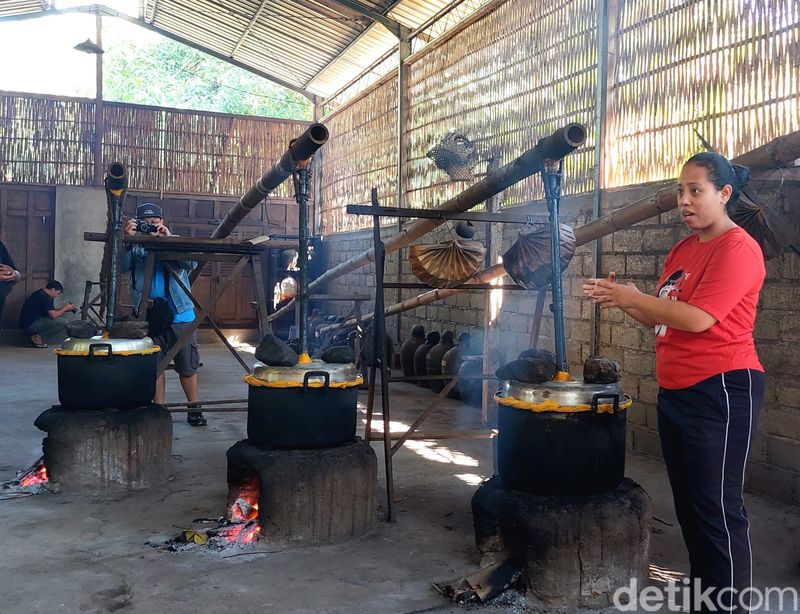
{"type": "Point", "coordinates": [252, 380]}
{"type": "Point", "coordinates": [543, 406]}
{"type": "Point", "coordinates": [104, 352]}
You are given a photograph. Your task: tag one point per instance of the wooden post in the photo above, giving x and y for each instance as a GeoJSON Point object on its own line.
{"type": "Point", "coordinates": [99, 123]}
{"type": "Point", "coordinates": [492, 246]}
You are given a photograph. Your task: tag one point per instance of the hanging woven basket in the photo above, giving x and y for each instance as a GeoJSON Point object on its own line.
{"type": "Point", "coordinates": [528, 260]}
{"type": "Point", "coordinates": [445, 265]}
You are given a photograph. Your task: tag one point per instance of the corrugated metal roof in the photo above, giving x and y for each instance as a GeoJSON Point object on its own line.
{"type": "Point", "coordinates": [316, 46]}
{"type": "Point", "coordinates": [20, 7]}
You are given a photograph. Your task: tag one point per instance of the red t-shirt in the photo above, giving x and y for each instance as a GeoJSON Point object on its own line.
{"type": "Point", "coordinates": [723, 278]}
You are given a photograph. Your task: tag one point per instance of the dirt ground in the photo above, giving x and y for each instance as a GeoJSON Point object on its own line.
{"type": "Point", "coordinates": [72, 553]}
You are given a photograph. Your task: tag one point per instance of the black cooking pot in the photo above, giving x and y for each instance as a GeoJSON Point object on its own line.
{"type": "Point", "coordinates": [289, 414]}
{"type": "Point", "coordinates": [563, 452]}
{"type": "Point", "coordinates": [99, 373]}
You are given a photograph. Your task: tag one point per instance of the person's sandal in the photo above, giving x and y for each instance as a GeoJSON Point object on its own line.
{"type": "Point", "coordinates": [196, 418]}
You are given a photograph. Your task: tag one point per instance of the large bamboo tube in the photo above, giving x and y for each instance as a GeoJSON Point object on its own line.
{"type": "Point", "coordinates": [775, 154]}
{"type": "Point", "coordinates": [554, 147]}
{"type": "Point", "coordinates": [299, 150]}
{"type": "Point", "coordinates": [302, 148]}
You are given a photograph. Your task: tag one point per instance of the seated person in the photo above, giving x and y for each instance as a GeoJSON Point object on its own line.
{"type": "Point", "coordinates": [39, 318]}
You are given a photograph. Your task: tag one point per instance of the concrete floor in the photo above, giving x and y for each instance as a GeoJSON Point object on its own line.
{"type": "Point", "coordinates": [68, 553]}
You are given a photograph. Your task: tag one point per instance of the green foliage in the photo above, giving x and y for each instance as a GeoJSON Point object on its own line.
{"type": "Point", "coordinates": [168, 73]}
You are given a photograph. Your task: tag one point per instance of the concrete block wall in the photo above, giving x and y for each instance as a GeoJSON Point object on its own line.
{"type": "Point", "coordinates": [636, 254]}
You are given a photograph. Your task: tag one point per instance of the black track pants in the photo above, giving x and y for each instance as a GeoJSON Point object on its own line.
{"type": "Point", "coordinates": [706, 432]}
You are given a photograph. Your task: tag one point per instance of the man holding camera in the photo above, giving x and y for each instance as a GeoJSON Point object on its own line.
{"type": "Point", "coordinates": [39, 318]}
{"type": "Point", "coordinates": [167, 295]}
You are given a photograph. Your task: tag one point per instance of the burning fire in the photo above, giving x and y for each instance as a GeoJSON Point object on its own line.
{"type": "Point", "coordinates": [242, 517]}
{"type": "Point", "coordinates": [36, 475]}
{"type": "Point", "coordinates": [241, 533]}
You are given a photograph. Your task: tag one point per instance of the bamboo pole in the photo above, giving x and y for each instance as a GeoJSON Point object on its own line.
{"type": "Point", "coordinates": [554, 147]}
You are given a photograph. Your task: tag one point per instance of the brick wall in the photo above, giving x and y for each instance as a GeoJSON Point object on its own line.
{"type": "Point", "coordinates": [636, 254]}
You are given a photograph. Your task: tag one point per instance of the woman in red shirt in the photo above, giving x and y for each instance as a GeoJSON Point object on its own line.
{"type": "Point", "coordinates": [711, 383]}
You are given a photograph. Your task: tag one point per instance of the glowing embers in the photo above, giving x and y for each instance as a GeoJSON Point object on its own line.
{"type": "Point", "coordinates": [239, 527]}
{"type": "Point", "coordinates": [242, 525]}
{"type": "Point", "coordinates": [33, 480]}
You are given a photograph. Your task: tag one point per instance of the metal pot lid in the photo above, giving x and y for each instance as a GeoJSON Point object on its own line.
{"type": "Point", "coordinates": [570, 393]}
{"type": "Point", "coordinates": [340, 374]}
{"type": "Point", "coordinates": [100, 346]}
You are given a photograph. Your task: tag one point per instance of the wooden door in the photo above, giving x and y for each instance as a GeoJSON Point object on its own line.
{"type": "Point", "coordinates": [27, 227]}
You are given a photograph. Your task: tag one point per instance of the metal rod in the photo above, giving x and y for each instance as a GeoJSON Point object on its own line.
{"type": "Point", "coordinates": [379, 354]}
{"type": "Point", "coordinates": [204, 403]}
{"type": "Point", "coordinates": [559, 144]}
{"type": "Point", "coordinates": [168, 266]}
{"type": "Point", "coordinates": [424, 414]}
{"type": "Point", "coordinates": [421, 286]}
{"type": "Point", "coordinates": [551, 178]}
{"type": "Point", "coordinates": [404, 212]}
{"type": "Point", "coordinates": [301, 194]}
{"type": "Point", "coordinates": [116, 184]}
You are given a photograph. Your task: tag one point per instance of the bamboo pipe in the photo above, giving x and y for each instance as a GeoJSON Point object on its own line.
{"type": "Point", "coordinates": [777, 153]}
{"type": "Point", "coordinates": [554, 147]}
{"type": "Point", "coordinates": [299, 150]}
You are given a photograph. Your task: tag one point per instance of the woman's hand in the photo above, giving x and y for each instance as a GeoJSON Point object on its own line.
{"type": "Point", "coordinates": [608, 293]}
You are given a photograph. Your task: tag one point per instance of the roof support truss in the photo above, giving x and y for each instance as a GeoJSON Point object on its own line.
{"type": "Point", "coordinates": [395, 27]}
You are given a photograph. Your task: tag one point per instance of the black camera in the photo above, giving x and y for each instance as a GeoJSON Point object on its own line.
{"type": "Point", "coordinates": [145, 228]}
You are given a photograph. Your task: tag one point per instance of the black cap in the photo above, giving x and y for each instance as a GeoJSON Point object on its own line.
{"type": "Point", "coordinates": [149, 210]}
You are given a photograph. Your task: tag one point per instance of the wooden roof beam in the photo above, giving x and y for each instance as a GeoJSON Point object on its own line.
{"type": "Point", "coordinates": [395, 27]}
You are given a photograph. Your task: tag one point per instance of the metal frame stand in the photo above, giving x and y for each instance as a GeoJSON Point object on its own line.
{"type": "Point", "coordinates": [379, 360]}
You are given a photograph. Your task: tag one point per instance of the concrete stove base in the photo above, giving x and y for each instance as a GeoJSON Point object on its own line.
{"type": "Point", "coordinates": [310, 496]}
{"type": "Point", "coordinates": [107, 449]}
{"type": "Point", "coordinates": [575, 551]}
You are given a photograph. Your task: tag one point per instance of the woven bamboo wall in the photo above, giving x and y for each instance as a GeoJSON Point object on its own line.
{"type": "Point", "coordinates": [46, 140]}
{"type": "Point", "coordinates": [50, 140]}
{"type": "Point", "coordinates": [505, 81]}
{"type": "Point", "coordinates": [361, 153]}
{"type": "Point", "coordinates": [729, 69]}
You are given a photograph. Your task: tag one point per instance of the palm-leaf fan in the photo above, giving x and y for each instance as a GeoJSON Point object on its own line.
{"type": "Point", "coordinates": [445, 265]}
{"type": "Point", "coordinates": [766, 226]}
{"type": "Point", "coordinates": [528, 260]}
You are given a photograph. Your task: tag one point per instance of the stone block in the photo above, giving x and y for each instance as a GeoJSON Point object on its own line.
{"type": "Point", "coordinates": [648, 390]}
{"type": "Point", "coordinates": [639, 265]}
{"type": "Point", "coordinates": [659, 239]}
{"type": "Point", "coordinates": [626, 336]}
{"type": "Point", "coordinates": [776, 421]}
{"type": "Point", "coordinates": [639, 363]}
{"type": "Point", "coordinates": [576, 551]}
{"type": "Point", "coordinates": [766, 479]}
{"type": "Point", "coordinates": [790, 325]}
{"type": "Point", "coordinates": [630, 240]}
{"type": "Point", "coordinates": [580, 331]}
{"type": "Point", "coordinates": [645, 440]}
{"type": "Point", "coordinates": [780, 296]}
{"type": "Point", "coordinates": [106, 450]}
{"type": "Point", "coordinates": [615, 263]}
{"type": "Point", "coordinates": [783, 451]}
{"type": "Point", "coordinates": [788, 395]}
{"type": "Point", "coordinates": [309, 497]}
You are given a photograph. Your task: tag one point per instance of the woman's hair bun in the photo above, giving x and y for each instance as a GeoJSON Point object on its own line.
{"type": "Point", "coordinates": [742, 174]}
